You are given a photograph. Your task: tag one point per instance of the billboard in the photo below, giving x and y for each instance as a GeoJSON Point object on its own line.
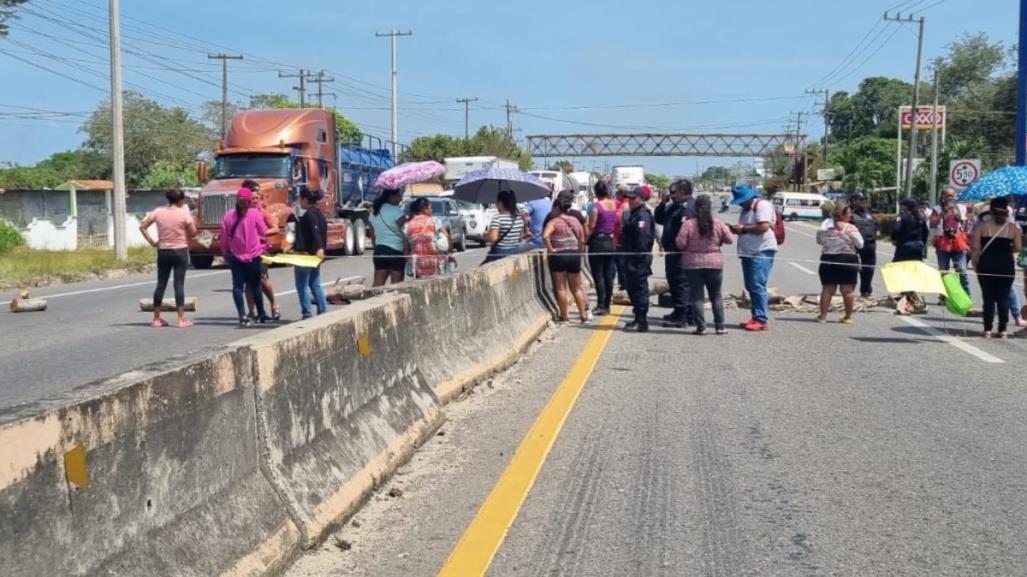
{"type": "Point", "coordinates": [925, 117]}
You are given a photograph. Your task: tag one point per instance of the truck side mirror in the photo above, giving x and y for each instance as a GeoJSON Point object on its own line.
{"type": "Point", "coordinates": [201, 171]}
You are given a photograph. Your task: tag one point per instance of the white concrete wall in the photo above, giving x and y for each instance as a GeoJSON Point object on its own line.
{"type": "Point", "coordinates": [133, 237]}
{"type": "Point", "coordinates": [41, 234]}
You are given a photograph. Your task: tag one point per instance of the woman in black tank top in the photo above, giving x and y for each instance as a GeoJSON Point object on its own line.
{"type": "Point", "coordinates": [994, 245]}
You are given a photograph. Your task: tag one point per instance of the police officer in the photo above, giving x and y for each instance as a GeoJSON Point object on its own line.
{"type": "Point", "coordinates": [637, 244]}
{"type": "Point", "coordinates": [673, 210]}
{"type": "Point", "coordinates": [866, 223]}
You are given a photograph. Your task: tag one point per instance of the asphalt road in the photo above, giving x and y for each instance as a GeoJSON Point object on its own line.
{"type": "Point", "coordinates": [95, 330]}
{"type": "Point", "coordinates": [876, 449]}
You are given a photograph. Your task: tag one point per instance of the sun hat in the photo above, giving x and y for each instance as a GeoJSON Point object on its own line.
{"type": "Point", "coordinates": [743, 193]}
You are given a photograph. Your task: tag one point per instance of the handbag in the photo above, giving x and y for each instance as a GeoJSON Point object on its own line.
{"type": "Point", "coordinates": [440, 240]}
{"type": "Point", "coordinates": [1022, 261]}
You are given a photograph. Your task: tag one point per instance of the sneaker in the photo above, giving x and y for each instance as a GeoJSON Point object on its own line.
{"type": "Point", "coordinates": [588, 316]}
{"type": "Point", "coordinates": [865, 295]}
{"type": "Point", "coordinates": [674, 316]}
{"type": "Point", "coordinates": [600, 311]}
{"type": "Point", "coordinates": [631, 325]}
{"type": "Point", "coordinates": [245, 322]}
{"type": "Point", "coordinates": [749, 323]}
{"type": "Point", "coordinates": [722, 331]}
{"type": "Point", "coordinates": [674, 323]}
{"type": "Point", "coordinates": [643, 327]}
{"type": "Point", "coordinates": [757, 326]}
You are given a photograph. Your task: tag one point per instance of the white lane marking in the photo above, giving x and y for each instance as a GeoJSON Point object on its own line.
{"type": "Point", "coordinates": [959, 344]}
{"type": "Point", "coordinates": [802, 268]}
{"type": "Point", "coordinates": [339, 280]}
{"type": "Point", "coordinates": [797, 231]}
{"type": "Point", "coordinates": [116, 287]}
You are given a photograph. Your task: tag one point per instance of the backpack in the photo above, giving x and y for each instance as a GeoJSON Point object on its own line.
{"type": "Point", "coordinates": [778, 226]}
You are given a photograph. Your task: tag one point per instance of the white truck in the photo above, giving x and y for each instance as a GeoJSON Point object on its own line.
{"type": "Point", "coordinates": [630, 175]}
{"type": "Point", "coordinates": [457, 167]}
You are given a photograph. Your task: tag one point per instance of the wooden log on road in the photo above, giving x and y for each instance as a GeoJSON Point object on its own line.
{"type": "Point", "coordinates": [25, 305]}
{"type": "Point", "coordinates": [146, 305]}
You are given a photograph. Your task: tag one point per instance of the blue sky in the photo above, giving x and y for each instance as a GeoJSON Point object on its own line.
{"type": "Point", "coordinates": [549, 58]}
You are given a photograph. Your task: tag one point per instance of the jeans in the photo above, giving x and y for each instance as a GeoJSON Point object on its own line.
{"type": "Point", "coordinates": [309, 280]}
{"type": "Point", "coordinates": [756, 272]}
{"type": "Point", "coordinates": [247, 274]}
{"type": "Point", "coordinates": [1014, 303]}
{"type": "Point", "coordinates": [603, 269]}
{"type": "Point", "coordinates": [168, 260]}
{"type": "Point", "coordinates": [867, 261]}
{"type": "Point", "coordinates": [958, 261]}
{"type": "Point", "coordinates": [496, 253]}
{"type": "Point", "coordinates": [711, 279]}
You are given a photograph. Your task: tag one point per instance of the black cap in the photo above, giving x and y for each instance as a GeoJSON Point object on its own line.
{"type": "Point", "coordinates": [857, 195]}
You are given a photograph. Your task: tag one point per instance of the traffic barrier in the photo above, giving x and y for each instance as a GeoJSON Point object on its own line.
{"type": "Point", "coordinates": [471, 325]}
{"type": "Point", "coordinates": [230, 463]}
{"type": "Point", "coordinates": [341, 404]}
{"type": "Point", "coordinates": [151, 473]}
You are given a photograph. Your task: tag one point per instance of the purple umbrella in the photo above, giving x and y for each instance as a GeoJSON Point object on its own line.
{"type": "Point", "coordinates": [397, 177]}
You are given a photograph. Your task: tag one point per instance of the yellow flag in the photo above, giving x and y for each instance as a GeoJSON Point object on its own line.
{"type": "Point", "coordinates": [912, 276]}
{"type": "Point", "coordinates": [300, 260]}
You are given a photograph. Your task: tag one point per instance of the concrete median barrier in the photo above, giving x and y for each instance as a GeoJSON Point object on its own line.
{"type": "Point", "coordinates": [152, 473]}
{"type": "Point", "coordinates": [342, 404]}
{"type": "Point", "coordinates": [231, 462]}
{"type": "Point", "coordinates": [471, 325]}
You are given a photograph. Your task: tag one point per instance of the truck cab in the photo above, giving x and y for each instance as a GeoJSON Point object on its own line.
{"type": "Point", "coordinates": [285, 152]}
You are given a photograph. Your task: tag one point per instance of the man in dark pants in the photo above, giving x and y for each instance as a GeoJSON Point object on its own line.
{"type": "Point", "coordinates": [672, 211]}
{"type": "Point", "coordinates": [637, 245]}
{"type": "Point", "coordinates": [867, 225]}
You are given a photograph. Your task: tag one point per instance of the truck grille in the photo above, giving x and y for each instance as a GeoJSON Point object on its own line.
{"type": "Point", "coordinates": [214, 206]}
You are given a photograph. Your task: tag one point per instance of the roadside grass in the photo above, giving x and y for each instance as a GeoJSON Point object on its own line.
{"type": "Point", "coordinates": [27, 267]}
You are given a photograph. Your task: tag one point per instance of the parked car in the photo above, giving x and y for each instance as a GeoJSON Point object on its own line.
{"type": "Point", "coordinates": [476, 220]}
{"type": "Point", "coordinates": [448, 212]}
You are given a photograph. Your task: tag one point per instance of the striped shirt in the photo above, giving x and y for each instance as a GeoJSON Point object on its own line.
{"type": "Point", "coordinates": [510, 227]}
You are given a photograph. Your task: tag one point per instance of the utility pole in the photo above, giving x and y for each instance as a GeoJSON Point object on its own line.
{"type": "Point", "coordinates": [510, 109]}
{"type": "Point", "coordinates": [934, 143]}
{"type": "Point", "coordinates": [320, 79]}
{"type": "Point", "coordinates": [800, 156]}
{"type": "Point", "coordinates": [302, 88]}
{"type": "Point", "coordinates": [1021, 97]}
{"type": "Point", "coordinates": [467, 113]}
{"type": "Point", "coordinates": [827, 117]}
{"type": "Point", "coordinates": [224, 58]}
{"type": "Point", "coordinates": [911, 153]}
{"type": "Point", "coordinates": [118, 129]}
{"type": "Point", "coordinates": [395, 114]}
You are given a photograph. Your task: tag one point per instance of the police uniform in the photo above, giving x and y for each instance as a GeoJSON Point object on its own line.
{"type": "Point", "coordinates": [637, 241]}
{"type": "Point", "coordinates": [671, 216]}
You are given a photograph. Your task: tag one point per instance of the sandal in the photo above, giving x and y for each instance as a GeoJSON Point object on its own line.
{"type": "Point", "coordinates": [158, 323]}
{"type": "Point", "coordinates": [276, 314]}
{"type": "Point", "coordinates": [1003, 335]}
{"type": "Point", "coordinates": [184, 323]}
{"type": "Point", "coordinates": [986, 335]}
{"type": "Point", "coordinates": [821, 319]}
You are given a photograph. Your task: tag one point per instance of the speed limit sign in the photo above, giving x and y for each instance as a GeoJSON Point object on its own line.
{"type": "Point", "coordinates": [964, 172]}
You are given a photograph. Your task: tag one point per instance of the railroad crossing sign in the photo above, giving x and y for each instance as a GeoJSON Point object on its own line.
{"type": "Point", "coordinates": [925, 116]}
{"type": "Point", "coordinates": [964, 172]}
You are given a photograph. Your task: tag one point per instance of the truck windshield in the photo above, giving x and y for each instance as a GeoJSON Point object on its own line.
{"type": "Point", "coordinates": [253, 166]}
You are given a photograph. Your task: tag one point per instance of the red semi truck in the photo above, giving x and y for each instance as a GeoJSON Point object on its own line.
{"type": "Point", "coordinates": [286, 151]}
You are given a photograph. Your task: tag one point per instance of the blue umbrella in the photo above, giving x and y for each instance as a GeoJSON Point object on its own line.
{"type": "Point", "coordinates": [483, 186]}
{"type": "Point", "coordinates": [1002, 182]}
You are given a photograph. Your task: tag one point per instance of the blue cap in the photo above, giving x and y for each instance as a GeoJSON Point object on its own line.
{"type": "Point", "coordinates": [743, 193]}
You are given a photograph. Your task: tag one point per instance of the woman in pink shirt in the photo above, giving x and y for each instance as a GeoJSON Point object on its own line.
{"type": "Point", "coordinates": [242, 243]}
{"type": "Point", "coordinates": [700, 240]}
{"type": "Point", "coordinates": [175, 227]}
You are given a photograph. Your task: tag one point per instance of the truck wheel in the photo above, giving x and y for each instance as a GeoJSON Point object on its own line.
{"type": "Point", "coordinates": [201, 261]}
{"type": "Point", "coordinates": [360, 237]}
{"type": "Point", "coordinates": [349, 245]}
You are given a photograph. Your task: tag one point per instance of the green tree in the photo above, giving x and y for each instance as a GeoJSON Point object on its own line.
{"type": "Point", "coordinates": [487, 141]}
{"type": "Point", "coordinates": [59, 168]}
{"type": "Point", "coordinates": [7, 13]}
{"type": "Point", "coordinates": [869, 164]}
{"type": "Point", "coordinates": [153, 133]}
{"type": "Point", "coordinates": [348, 130]}
{"type": "Point", "coordinates": [660, 181]}
{"type": "Point", "coordinates": [872, 110]}
{"type": "Point", "coordinates": [164, 174]}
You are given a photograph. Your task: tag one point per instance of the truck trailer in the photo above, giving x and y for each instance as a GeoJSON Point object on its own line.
{"type": "Point", "coordinates": [287, 151]}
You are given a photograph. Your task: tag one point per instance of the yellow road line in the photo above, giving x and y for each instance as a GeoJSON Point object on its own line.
{"type": "Point", "coordinates": [474, 553]}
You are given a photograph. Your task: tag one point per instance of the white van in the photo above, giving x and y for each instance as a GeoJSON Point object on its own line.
{"type": "Point", "coordinates": [800, 205]}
